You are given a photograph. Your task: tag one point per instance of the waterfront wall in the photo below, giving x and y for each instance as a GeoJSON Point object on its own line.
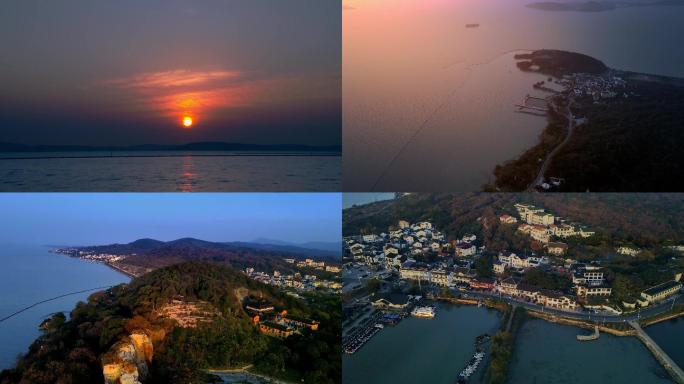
{"type": "Point", "coordinates": [580, 324]}
{"type": "Point", "coordinates": [657, 320]}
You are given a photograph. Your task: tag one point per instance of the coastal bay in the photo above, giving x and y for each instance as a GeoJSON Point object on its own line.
{"type": "Point", "coordinates": [608, 130]}
{"type": "Point", "coordinates": [441, 116]}
{"type": "Point", "coordinates": [30, 274]}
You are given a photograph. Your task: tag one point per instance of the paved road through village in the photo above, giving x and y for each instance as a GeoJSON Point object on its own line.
{"type": "Point", "coordinates": [588, 316]}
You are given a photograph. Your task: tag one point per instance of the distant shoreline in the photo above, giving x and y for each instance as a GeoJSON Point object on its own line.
{"type": "Point", "coordinates": [260, 154]}
{"type": "Point", "coordinates": [120, 270]}
{"type": "Point", "coordinates": [527, 172]}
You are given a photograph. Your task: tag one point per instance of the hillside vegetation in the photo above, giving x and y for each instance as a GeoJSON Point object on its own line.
{"type": "Point", "coordinates": [69, 351]}
{"type": "Point", "coordinates": [642, 219]}
{"type": "Point", "coordinates": [151, 254]}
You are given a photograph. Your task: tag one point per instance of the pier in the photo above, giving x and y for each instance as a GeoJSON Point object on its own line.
{"type": "Point", "coordinates": [672, 368]}
{"type": "Point", "coordinates": [525, 106]}
{"type": "Point", "coordinates": [364, 333]}
{"type": "Point", "coordinates": [593, 336]}
{"type": "Point", "coordinates": [510, 317]}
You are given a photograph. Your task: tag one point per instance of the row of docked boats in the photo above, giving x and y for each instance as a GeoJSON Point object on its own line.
{"type": "Point", "coordinates": [471, 367]}
{"type": "Point", "coordinates": [475, 361]}
{"type": "Point", "coordinates": [360, 337]}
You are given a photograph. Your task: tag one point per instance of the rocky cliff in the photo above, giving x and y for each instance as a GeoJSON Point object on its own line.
{"type": "Point", "coordinates": [127, 360]}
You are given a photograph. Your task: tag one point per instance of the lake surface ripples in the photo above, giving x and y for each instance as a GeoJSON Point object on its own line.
{"type": "Point", "coordinates": [172, 174]}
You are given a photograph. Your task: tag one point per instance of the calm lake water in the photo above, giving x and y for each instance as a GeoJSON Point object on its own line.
{"type": "Point", "coordinates": [351, 199]}
{"type": "Point", "coordinates": [421, 350]}
{"type": "Point", "coordinates": [185, 173]}
{"type": "Point", "coordinates": [670, 337]}
{"type": "Point", "coordinates": [428, 103]}
{"type": "Point", "coordinates": [30, 274]}
{"type": "Point", "coordinates": [549, 353]}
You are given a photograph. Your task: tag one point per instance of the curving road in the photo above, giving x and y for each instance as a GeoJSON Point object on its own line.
{"type": "Point", "coordinates": [550, 156]}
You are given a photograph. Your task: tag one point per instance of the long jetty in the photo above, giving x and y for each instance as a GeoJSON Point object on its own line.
{"type": "Point", "coordinates": [51, 299]}
{"type": "Point", "coordinates": [670, 366]}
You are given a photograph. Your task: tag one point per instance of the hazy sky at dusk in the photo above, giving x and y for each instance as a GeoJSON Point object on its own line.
{"type": "Point", "coordinates": [127, 72]}
{"type": "Point", "coordinates": [103, 218]}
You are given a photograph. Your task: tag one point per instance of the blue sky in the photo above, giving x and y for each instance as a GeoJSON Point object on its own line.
{"type": "Point", "coordinates": [100, 218]}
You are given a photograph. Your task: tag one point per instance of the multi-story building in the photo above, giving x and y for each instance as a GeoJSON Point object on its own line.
{"type": "Point", "coordinates": [590, 276]}
{"type": "Point", "coordinates": [424, 225]}
{"type": "Point", "coordinates": [299, 322]}
{"type": "Point", "coordinates": [520, 262]}
{"type": "Point", "coordinates": [499, 267]}
{"type": "Point", "coordinates": [557, 300]}
{"type": "Point", "coordinates": [563, 230]}
{"type": "Point", "coordinates": [584, 291]}
{"type": "Point", "coordinates": [414, 274]}
{"type": "Point", "coordinates": [463, 275]}
{"type": "Point", "coordinates": [556, 248]}
{"type": "Point", "coordinates": [275, 329]}
{"type": "Point", "coordinates": [662, 291]}
{"type": "Point", "coordinates": [390, 250]}
{"type": "Point", "coordinates": [539, 218]}
{"type": "Point", "coordinates": [540, 233]}
{"type": "Point", "coordinates": [507, 219]}
{"type": "Point", "coordinates": [465, 249]}
{"type": "Point", "coordinates": [357, 250]}
{"type": "Point", "coordinates": [482, 283]}
{"type": "Point", "coordinates": [440, 277]}
{"type": "Point", "coordinates": [509, 286]}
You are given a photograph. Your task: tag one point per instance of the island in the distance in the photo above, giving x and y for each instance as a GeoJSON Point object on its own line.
{"type": "Point", "coordinates": [608, 130]}
{"type": "Point", "coordinates": [196, 311]}
{"type": "Point", "coordinates": [596, 6]}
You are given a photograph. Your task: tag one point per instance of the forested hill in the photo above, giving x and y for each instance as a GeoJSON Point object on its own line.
{"type": "Point", "coordinates": [74, 350]}
{"type": "Point", "coordinates": [643, 218]}
{"type": "Point", "coordinates": [151, 253]}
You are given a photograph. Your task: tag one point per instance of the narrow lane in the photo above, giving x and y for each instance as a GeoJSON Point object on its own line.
{"type": "Point", "coordinates": [547, 162]}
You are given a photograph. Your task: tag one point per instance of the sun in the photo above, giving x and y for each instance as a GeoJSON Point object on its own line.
{"type": "Point", "coordinates": [187, 121]}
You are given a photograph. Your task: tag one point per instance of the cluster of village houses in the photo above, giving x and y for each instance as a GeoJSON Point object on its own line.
{"type": "Point", "coordinates": [311, 263]}
{"type": "Point", "coordinates": [276, 323]}
{"type": "Point", "coordinates": [91, 255]}
{"type": "Point", "coordinates": [605, 86]}
{"type": "Point", "coordinates": [395, 251]}
{"type": "Point", "coordinates": [297, 281]}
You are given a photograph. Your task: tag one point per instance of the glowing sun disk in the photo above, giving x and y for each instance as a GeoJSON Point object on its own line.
{"type": "Point", "coordinates": [187, 121]}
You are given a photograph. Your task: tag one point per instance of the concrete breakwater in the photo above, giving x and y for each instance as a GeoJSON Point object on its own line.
{"type": "Point", "coordinates": [581, 324]}
{"type": "Point", "coordinates": [635, 330]}
{"type": "Point", "coordinates": [672, 368]}
{"type": "Point", "coordinates": [657, 320]}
